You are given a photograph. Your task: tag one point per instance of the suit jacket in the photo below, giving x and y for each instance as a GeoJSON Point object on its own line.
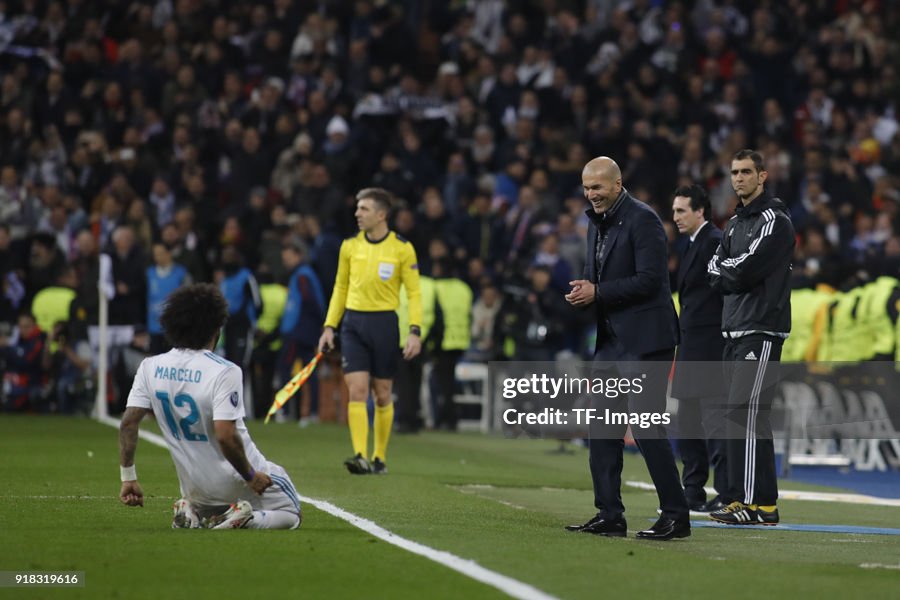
{"type": "Point", "coordinates": [701, 321]}
{"type": "Point", "coordinates": [634, 301]}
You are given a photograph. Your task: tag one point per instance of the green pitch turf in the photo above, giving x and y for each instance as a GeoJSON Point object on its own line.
{"type": "Point", "coordinates": [499, 502]}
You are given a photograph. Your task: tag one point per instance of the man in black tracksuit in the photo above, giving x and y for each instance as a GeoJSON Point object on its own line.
{"type": "Point", "coordinates": [751, 269]}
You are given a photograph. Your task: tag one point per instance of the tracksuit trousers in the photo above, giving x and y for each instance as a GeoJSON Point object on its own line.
{"type": "Point", "coordinates": [751, 373]}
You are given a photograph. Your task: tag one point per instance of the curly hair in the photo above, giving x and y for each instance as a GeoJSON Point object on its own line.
{"type": "Point", "coordinates": [193, 314]}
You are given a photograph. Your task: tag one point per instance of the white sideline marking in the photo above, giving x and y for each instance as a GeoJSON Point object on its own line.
{"type": "Point", "coordinates": [880, 566]}
{"type": "Point", "coordinates": [808, 496]}
{"type": "Point", "coordinates": [786, 494]}
{"type": "Point", "coordinates": [472, 490]}
{"type": "Point", "coordinates": [60, 497]}
{"type": "Point", "coordinates": [469, 568]}
{"type": "Point", "coordinates": [153, 438]}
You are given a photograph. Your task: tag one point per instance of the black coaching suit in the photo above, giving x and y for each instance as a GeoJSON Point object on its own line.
{"type": "Point", "coordinates": [752, 269]}
{"type": "Point", "coordinates": [700, 388]}
{"type": "Point", "coordinates": [636, 321]}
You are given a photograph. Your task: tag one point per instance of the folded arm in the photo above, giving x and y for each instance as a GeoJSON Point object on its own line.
{"type": "Point", "coordinates": [771, 243]}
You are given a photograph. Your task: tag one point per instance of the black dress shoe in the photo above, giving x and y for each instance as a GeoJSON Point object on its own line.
{"type": "Point", "coordinates": [713, 505]}
{"type": "Point", "coordinates": [696, 498]}
{"type": "Point", "coordinates": [697, 505]}
{"type": "Point", "coordinates": [580, 526]}
{"type": "Point", "coordinates": [600, 526]}
{"type": "Point", "coordinates": [666, 529]}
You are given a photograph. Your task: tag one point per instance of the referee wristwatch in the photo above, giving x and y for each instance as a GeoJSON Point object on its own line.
{"type": "Point", "coordinates": [415, 330]}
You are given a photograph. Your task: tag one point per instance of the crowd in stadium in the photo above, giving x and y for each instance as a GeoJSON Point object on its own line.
{"type": "Point", "coordinates": [216, 133]}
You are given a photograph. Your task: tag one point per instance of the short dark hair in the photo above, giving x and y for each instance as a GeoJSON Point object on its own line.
{"type": "Point", "coordinates": [193, 314]}
{"type": "Point", "coordinates": [755, 156]}
{"type": "Point", "coordinates": [698, 196]}
{"type": "Point", "coordinates": [382, 198]}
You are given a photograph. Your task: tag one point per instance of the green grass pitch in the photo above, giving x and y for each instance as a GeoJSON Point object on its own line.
{"type": "Point", "coordinates": [502, 503]}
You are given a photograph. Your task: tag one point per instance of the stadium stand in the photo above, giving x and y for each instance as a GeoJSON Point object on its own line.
{"type": "Point", "coordinates": [217, 124]}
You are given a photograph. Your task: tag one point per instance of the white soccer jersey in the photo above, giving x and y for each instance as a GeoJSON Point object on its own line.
{"type": "Point", "coordinates": [187, 390]}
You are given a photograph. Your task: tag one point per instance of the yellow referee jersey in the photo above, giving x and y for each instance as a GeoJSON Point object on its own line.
{"type": "Point", "coordinates": [369, 277]}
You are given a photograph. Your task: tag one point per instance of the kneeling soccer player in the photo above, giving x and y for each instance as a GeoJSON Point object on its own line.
{"type": "Point", "coordinates": [197, 397]}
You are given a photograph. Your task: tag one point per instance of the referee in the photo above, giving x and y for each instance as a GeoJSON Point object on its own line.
{"type": "Point", "coordinates": [372, 267]}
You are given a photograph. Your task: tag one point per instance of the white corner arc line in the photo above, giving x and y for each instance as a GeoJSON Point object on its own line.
{"type": "Point", "coordinates": [469, 568]}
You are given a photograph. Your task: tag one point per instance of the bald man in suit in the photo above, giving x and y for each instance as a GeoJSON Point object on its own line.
{"type": "Point", "coordinates": [626, 283]}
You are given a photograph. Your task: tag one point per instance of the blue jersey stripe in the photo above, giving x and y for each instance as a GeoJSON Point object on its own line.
{"type": "Point", "coordinates": [216, 358]}
{"type": "Point", "coordinates": [288, 489]}
{"type": "Point", "coordinates": [283, 484]}
{"type": "Point", "coordinates": [293, 500]}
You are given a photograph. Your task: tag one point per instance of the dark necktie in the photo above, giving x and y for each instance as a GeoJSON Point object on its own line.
{"type": "Point", "coordinates": [600, 248]}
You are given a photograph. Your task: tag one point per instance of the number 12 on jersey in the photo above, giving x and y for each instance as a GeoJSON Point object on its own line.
{"type": "Point", "coordinates": [186, 422]}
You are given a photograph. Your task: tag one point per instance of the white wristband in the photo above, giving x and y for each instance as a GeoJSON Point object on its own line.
{"type": "Point", "coordinates": [128, 473]}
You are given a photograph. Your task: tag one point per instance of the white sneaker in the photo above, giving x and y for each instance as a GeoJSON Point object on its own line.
{"type": "Point", "coordinates": [185, 516]}
{"type": "Point", "coordinates": [236, 517]}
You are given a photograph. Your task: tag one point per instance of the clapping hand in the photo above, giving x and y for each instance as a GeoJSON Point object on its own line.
{"type": "Point", "coordinates": [582, 293]}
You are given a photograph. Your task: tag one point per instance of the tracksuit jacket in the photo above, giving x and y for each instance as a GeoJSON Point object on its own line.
{"type": "Point", "coordinates": [752, 269]}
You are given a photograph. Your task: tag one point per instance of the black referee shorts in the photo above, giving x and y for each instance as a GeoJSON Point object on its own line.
{"type": "Point", "coordinates": [370, 341]}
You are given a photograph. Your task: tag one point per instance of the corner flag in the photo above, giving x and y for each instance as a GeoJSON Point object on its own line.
{"type": "Point", "coordinates": [285, 393]}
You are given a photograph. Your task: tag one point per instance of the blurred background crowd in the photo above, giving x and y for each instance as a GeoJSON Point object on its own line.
{"type": "Point", "coordinates": [225, 137]}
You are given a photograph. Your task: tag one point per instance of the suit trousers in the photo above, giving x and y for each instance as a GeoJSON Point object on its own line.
{"type": "Point", "coordinates": [751, 373]}
{"type": "Point", "coordinates": [605, 453]}
{"type": "Point", "coordinates": [699, 454]}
